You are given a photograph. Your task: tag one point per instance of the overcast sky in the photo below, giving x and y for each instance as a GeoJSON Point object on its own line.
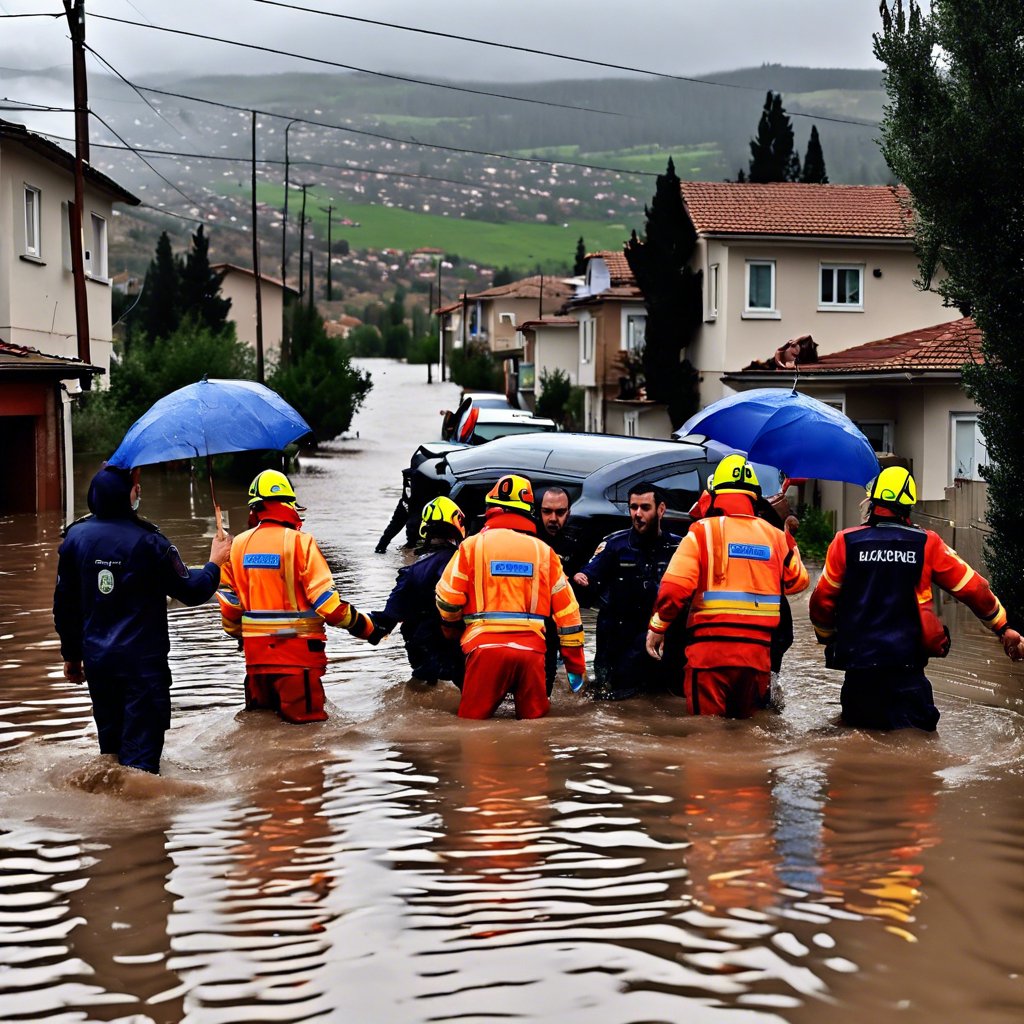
{"type": "Point", "coordinates": [689, 37]}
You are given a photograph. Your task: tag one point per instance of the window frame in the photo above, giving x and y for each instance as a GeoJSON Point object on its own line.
{"type": "Point", "coordinates": [714, 279]}
{"type": "Point", "coordinates": [835, 306]}
{"type": "Point", "coordinates": [96, 264]}
{"type": "Point", "coordinates": [588, 334]}
{"type": "Point", "coordinates": [34, 250]}
{"type": "Point", "coordinates": [979, 442]}
{"type": "Point", "coordinates": [626, 343]}
{"type": "Point", "coordinates": [760, 312]}
{"type": "Point", "coordinates": [888, 433]}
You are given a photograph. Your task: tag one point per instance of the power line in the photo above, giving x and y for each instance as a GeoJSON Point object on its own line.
{"type": "Point", "coordinates": [572, 58]}
{"type": "Point", "coordinates": [365, 71]}
{"type": "Point", "coordinates": [155, 110]}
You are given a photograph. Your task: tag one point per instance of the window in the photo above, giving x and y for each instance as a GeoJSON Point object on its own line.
{"type": "Point", "coordinates": [712, 292]}
{"type": "Point", "coordinates": [878, 432]}
{"type": "Point", "coordinates": [587, 332]}
{"type": "Point", "coordinates": [968, 447]}
{"type": "Point", "coordinates": [636, 327]}
{"type": "Point", "coordinates": [32, 241]}
{"type": "Point", "coordinates": [96, 256]}
{"type": "Point", "coordinates": [841, 287]}
{"type": "Point", "coordinates": [761, 289]}
{"type": "Point", "coordinates": [630, 423]}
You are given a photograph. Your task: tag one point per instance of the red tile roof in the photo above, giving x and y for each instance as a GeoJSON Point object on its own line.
{"type": "Point", "coordinates": [942, 348]}
{"type": "Point", "coordinates": [618, 266]}
{"type": "Point", "coordinates": [22, 359]}
{"type": "Point", "coordinates": [527, 288]}
{"type": "Point", "coordinates": [791, 208]}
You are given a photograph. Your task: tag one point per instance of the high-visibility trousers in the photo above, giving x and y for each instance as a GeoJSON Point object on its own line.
{"type": "Point", "coordinates": [731, 692]}
{"type": "Point", "coordinates": [495, 670]}
{"type": "Point", "coordinates": [296, 694]}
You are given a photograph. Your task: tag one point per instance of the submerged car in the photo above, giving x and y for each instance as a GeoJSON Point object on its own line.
{"type": "Point", "coordinates": [484, 415]}
{"type": "Point", "coordinates": [596, 471]}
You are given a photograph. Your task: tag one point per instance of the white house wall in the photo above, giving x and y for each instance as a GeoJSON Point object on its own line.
{"type": "Point", "coordinates": [241, 290]}
{"type": "Point", "coordinates": [37, 299]}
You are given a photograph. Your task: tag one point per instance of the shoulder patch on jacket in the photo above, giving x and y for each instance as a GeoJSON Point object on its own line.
{"type": "Point", "coordinates": [176, 563]}
{"type": "Point", "coordinates": [505, 567]}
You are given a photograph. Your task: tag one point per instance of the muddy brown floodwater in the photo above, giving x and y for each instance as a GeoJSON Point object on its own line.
{"type": "Point", "coordinates": [610, 864]}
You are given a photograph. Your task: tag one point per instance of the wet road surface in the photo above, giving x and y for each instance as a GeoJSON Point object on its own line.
{"type": "Point", "coordinates": [610, 864]}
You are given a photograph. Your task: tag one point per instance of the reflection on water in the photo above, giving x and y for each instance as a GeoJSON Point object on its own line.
{"type": "Point", "coordinates": [610, 863]}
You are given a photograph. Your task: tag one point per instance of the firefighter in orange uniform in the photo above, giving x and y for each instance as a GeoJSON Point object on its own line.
{"type": "Point", "coordinates": [276, 593]}
{"type": "Point", "coordinates": [872, 607]}
{"type": "Point", "coordinates": [501, 585]}
{"type": "Point", "coordinates": [733, 568]}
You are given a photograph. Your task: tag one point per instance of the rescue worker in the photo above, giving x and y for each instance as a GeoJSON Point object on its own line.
{"type": "Point", "coordinates": [873, 608]}
{"type": "Point", "coordinates": [553, 514]}
{"type": "Point", "coordinates": [115, 572]}
{"type": "Point", "coordinates": [623, 576]}
{"type": "Point", "coordinates": [276, 594]}
{"type": "Point", "coordinates": [400, 516]}
{"type": "Point", "coordinates": [732, 568]}
{"type": "Point", "coordinates": [432, 656]}
{"type": "Point", "coordinates": [502, 584]}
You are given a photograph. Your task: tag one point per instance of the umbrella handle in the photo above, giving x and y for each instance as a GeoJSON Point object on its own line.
{"type": "Point", "coordinates": [213, 498]}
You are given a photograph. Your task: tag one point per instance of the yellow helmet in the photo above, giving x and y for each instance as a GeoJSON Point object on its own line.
{"type": "Point", "coordinates": [270, 485]}
{"type": "Point", "coordinates": [735, 474]}
{"type": "Point", "coordinates": [512, 492]}
{"type": "Point", "coordinates": [441, 513]}
{"type": "Point", "coordinates": [894, 488]}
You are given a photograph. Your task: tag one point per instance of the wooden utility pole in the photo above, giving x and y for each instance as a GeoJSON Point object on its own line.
{"type": "Point", "coordinates": [440, 324]}
{"type": "Point", "coordinates": [329, 210]}
{"type": "Point", "coordinates": [284, 222]}
{"type": "Point", "coordinates": [256, 261]}
{"type": "Point", "coordinates": [75, 11]}
{"type": "Point", "coordinates": [302, 241]}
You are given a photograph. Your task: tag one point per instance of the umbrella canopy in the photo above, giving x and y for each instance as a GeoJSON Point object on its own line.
{"type": "Point", "coordinates": [799, 434]}
{"type": "Point", "coordinates": [208, 418]}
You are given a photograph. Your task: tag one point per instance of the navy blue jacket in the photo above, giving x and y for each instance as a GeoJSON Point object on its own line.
{"type": "Point", "coordinates": [114, 575]}
{"type": "Point", "coordinates": [412, 604]}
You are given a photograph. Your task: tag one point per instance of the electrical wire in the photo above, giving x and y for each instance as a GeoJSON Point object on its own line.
{"type": "Point", "coordinates": [353, 67]}
{"type": "Point", "coordinates": [142, 97]}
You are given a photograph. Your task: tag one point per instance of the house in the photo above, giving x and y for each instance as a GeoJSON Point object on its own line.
{"type": "Point", "coordinates": [128, 283]}
{"type": "Point", "coordinates": [35, 428]}
{"type": "Point", "coordinates": [612, 318]}
{"type": "Point", "coordinates": [239, 285]}
{"type": "Point", "coordinates": [904, 392]}
{"type": "Point", "coordinates": [342, 327]}
{"type": "Point", "coordinates": [785, 259]}
{"type": "Point", "coordinates": [37, 297]}
{"type": "Point", "coordinates": [491, 317]}
{"type": "Point", "coordinates": [549, 344]}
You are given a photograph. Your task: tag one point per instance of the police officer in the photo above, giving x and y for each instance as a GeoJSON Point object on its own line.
{"type": "Point", "coordinates": [432, 656]}
{"type": "Point", "coordinates": [553, 515]}
{"type": "Point", "coordinates": [623, 575]}
{"type": "Point", "coordinates": [502, 584]}
{"type": "Point", "coordinates": [276, 594]}
{"type": "Point", "coordinates": [114, 575]}
{"type": "Point", "coordinates": [873, 608]}
{"type": "Point", "coordinates": [730, 571]}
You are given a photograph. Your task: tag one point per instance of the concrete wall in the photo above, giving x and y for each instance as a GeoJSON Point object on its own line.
{"type": "Point", "coordinates": [240, 288]}
{"type": "Point", "coordinates": [37, 298]}
{"type": "Point", "coordinates": [556, 348]}
{"type": "Point", "coordinates": [732, 340]}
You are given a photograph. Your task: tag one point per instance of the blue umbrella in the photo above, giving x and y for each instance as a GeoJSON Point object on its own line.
{"type": "Point", "coordinates": [799, 434]}
{"type": "Point", "coordinates": [208, 418]}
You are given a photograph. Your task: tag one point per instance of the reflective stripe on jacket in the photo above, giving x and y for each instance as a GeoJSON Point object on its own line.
{"type": "Point", "coordinates": [732, 569]}
{"type": "Point", "coordinates": [506, 581]}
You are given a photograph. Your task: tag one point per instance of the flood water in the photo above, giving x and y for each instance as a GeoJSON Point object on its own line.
{"type": "Point", "coordinates": [610, 864]}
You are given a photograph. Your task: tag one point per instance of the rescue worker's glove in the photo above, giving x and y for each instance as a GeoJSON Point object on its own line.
{"type": "Point", "coordinates": [384, 623]}
{"type": "Point", "coordinates": [366, 629]}
{"type": "Point", "coordinates": [576, 681]}
{"type": "Point", "coordinates": [381, 548]}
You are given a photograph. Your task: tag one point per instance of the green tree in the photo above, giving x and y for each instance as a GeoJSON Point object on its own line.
{"type": "Point", "coordinates": [814, 161]}
{"type": "Point", "coordinates": [365, 340]}
{"type": "Point", "coordinates": [773, 151]}
{"type": "Point", "coordinates": [475, 370]}
{"type": "Point", "coordinates": [396, 341]}
{"type": "Point", "coordinates": [579, 266]}
{"type": "Point", "coordinates": [672, 294]}
{"type": "Point", "coordinates": [953, 132]}
{"type": "Point", "coordinates": [159, 311]}
{"type": "Point", "coordinates": [554, 396]}
{"type": "Point", "coordinates": [199, 291]}
{"type": "Point", "coordinates": [503, 276]}
{"type": "Point", "coordinates": [320, 382]}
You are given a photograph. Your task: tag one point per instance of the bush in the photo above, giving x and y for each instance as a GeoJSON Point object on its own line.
{"type": "Point", "coordinates": [554, 396]}
{"type": "Point", "coordinates": [423, 350]}
{"type": "Point", "coordinates": [817, 528]}
{"type": "Point", "coordinates": [365, 340]}
{"type": "Point", "coordinates": [475, 370]}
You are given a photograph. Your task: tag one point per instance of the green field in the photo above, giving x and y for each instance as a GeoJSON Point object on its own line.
{"type": "Point", "coordinates": [690, 161]}
{"type": "Point", "coordinates": [520, 246]}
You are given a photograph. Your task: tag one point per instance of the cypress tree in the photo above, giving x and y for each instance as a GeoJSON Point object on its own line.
{"type": "Point", "coordinates": [672, 294]}
{"type": "Point", "coordinates": [160, 311]}
{"type": "Point", "coordinates": [200, 286]}
{"type": "Point", "coordinates": [773, 152]}
{"type": "Point", "coordinates": [579, 267]}
{"type": "Point", "coordinates": [814, 161]}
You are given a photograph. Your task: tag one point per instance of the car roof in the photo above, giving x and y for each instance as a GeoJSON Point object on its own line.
{"type": "Point", "coordinates": [512, 416]}
{"type": "Point", "coordinates": [569, 455]}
